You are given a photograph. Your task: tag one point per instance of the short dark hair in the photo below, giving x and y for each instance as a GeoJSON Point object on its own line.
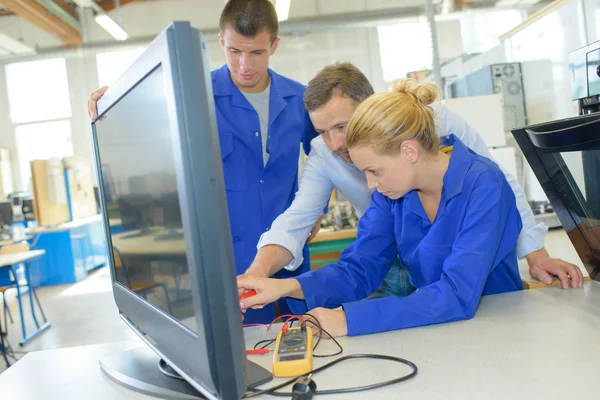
{"type": "Point", "coordinates": [249, 17]}
{"type": "Point", "coordinates": [342, 79]}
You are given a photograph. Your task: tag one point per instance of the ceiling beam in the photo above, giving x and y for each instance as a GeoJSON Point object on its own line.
{"type": "Point", "coordinates": [38, 15]}
{"type": "Point", "coordinates": [68, 7]}
{"type": "Point", "coordinates": [5, 11]}
{"type": "Point", "coordinates": [109, 5]}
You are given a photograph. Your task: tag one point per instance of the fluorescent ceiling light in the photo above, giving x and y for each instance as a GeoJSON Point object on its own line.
{"type": "Point", "coordinates": [507, 3]}
{"type": "Point", "coordinates": [283, 9]}
{"type": "Point", "coordinates": [111, 27]}
{"type": "Point", "coordinates": [13, 46]}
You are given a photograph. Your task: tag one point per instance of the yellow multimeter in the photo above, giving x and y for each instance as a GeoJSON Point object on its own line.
{"type": "Point", "coordinates": [293, 352]}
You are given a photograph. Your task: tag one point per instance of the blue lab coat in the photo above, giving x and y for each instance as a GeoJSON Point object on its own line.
{"type": "Point", "coordinates": [257, 194]}
{"type": "Point", "coordinates": [468, 251]}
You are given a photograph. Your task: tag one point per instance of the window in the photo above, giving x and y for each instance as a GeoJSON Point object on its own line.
{"type": "Point", "coordinates": [40, 142]}
{"type": "Point", "coordinates": [38, 91]}
{"type": "Point", "coordinates": [597, 23]}
{"type": "Point", "coordinates": [405, 47]}
{"type": "Point", "coordinates": [481, 31]}
{"type": "Point", "coordinates": [40, 108]}
{"type": "Point", "coordinates": [112, 65]}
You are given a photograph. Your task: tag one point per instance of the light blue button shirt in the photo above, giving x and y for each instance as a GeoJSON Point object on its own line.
{"type": "Point", "coordinates": [325, 170]}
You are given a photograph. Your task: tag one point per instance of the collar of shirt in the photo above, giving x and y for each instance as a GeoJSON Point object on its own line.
{"type": "Point", "coordinates": [280, 90]}
{"type": "Point", "coordinates": [224, 86]}
{"type": "Point", "coordinates": [460, 162]}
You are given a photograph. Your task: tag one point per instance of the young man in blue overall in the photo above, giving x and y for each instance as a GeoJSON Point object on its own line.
{"type": "Point", "coordinates": [261, 121]}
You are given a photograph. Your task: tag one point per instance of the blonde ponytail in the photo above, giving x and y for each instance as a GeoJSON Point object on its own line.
{"type": "Point", "coordinates": [426, 93]}
{"type": "Point", "coordinates": [385, 120]}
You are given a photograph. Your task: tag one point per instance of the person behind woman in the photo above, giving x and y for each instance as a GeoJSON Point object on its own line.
{"type": "Point", "coordinates": [451, 218]}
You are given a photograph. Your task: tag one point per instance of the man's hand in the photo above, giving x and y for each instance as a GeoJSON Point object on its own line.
{"type": "Point", "coordinates": [315, 229]}
{"type": "Point", "coordinates": [543, 267]}
{"type": "Point", "coordinates": [333, 321]}
{"type": "Point", "coordinates": [92, 103]}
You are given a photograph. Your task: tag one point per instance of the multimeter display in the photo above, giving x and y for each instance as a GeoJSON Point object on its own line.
{"type": "Point", "coordinates": [292, 346]}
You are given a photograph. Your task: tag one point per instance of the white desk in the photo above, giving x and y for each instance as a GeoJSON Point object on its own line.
{"type": "Point", "coordinates": [15, 240]}
{"type": "Point", "coordinates": [10, 260]}
{"type": "Point", "coordinates": [534, 344]}
{"type": "Point", "coordinates": [18, 258]}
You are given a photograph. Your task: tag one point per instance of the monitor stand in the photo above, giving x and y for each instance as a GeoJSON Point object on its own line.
{"type": "Point", "coordinates": [143, 371]}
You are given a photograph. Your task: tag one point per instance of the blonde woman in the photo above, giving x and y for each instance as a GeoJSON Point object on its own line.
{"type": "Point", "coordinates": [450, 218]}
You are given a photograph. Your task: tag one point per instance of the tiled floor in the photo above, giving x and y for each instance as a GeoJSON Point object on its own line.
{"type": "Point", "coordinates": [85, 313]}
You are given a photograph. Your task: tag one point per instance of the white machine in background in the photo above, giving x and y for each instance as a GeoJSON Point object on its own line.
{"type": "Point", "coordinates": [486, 114]}
{"type": "Point", "coordinates": [526, 90]}
{"type": "Point", "coordinates": [504, 79]}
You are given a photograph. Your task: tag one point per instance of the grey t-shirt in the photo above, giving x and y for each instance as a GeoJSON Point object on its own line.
{"type": "Point", "coordinates": [260, 103]}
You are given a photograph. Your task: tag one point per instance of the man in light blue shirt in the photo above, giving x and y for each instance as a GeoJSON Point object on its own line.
{"type": "Point", "coordinates": [331, 98]}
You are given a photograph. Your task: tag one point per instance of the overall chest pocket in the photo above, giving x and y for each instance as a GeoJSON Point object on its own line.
{"type": "Point", "coordinates": [234, 162]}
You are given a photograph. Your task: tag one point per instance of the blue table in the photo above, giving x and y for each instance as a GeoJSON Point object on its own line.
{"type": "Point", "coordinates": [10, 261]}
{"type": "Point", "coordinates": [72, 250]}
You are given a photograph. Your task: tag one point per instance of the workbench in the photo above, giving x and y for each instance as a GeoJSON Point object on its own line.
{"type": "Point", "coordinates": [533, 344]}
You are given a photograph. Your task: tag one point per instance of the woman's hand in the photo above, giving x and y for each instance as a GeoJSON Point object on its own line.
{"type": "Point", "coordinates": [333, 321]}
{"type": "Point", "coordinates": [267, 290]}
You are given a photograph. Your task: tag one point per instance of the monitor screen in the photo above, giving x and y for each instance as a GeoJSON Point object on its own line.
{"type": "Point", "coordinates": [134, 143]}
{"type": "Point", "coordinates": [6, 214]}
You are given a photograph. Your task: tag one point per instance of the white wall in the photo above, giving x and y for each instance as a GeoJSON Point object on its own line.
{"type": "Point", "coordinates": [449, 39]}
{"type": "Point", "coordinates": [7, 136]}
{"type": "Point", "coordinates": [592, 14]}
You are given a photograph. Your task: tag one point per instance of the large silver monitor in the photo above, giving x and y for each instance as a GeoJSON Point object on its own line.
{"type": "Point", "coordinates": [161, 180]}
